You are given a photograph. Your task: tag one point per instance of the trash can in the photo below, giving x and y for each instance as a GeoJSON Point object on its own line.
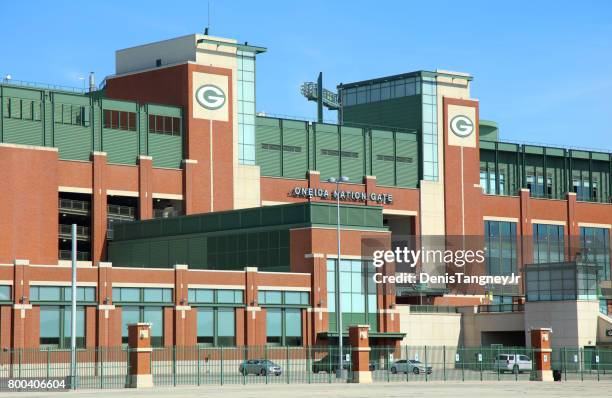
{"type": "Point", "coordinates": [556, 375]}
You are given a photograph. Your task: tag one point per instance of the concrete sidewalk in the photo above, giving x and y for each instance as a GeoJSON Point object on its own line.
{"type": "Point", "coordinates": [379, 390]}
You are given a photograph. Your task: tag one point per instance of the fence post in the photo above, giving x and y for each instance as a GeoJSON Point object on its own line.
{"type": "Point", "coordinates": [564, 361]}
{"type": "Point", "coordinates": [101, 350]}
{"type": "Point", "coordinates": [19, 367]}
{"type": "Point", "coordinates": [462, 365]}
{"type": "Point", "coordinates": [597, 360]}
{"type": "Point", "coordinates": [330, 351]}
{"type": "Point", "coordinates": [266, 358]}
{"type": "Point", "coordinates": [221, 350]}
{"type": "Point", "coordinates": [388, 370]}
{"type": "Point", "coordinates": [407, 373]}
{"type": "Point", "coordinates": [426, 378]}
{"type": "Point", "coordinates": [479, 358]}
{"type": "Point", "coordinates": [173, 365]}
{"type": "Point", "coordinates": [48, 362]}
{"type": "Point", "coordinates": [308, 366]}
{"type": "Point", "coordinates": [244, 361]}
{"type": "Point", "coordinates": [444, 362]}
{"type": "Point", "coordinates": [198, 364]}
{"type": "Point", "coordinates": [288, 367]}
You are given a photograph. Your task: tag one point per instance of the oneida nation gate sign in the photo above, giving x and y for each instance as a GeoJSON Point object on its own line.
{"type": "Point", "coordinates": [346, 196]}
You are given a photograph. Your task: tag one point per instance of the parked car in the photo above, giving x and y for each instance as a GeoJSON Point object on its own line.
{"type": "Point", "coordinates": [260, 367]}
{"type": "Point", "coordinates": [410, 365]}
{"type": "Point", "coordinates": [329, 364]}
{"type": "Point", "coordinates": [515, 363]}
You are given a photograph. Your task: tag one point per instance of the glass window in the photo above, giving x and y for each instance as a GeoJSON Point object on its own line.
{"type": "Point", "coordinates": [5, 293]}
{"type": "Point", "coordinates": [153, 295]}
{"type": "Point", "coordinates": [293, 327]}
{"type": "Point", "coordinates": [46, 293]}
{"type": "Point", "coordinates": [226, 327]}
{"type": "Point", "coordinates": [80, 326]}
{"type": "Point", "coordinates": [205, 325]}
{"type": "Point", "coordinates": [155, 316]}
{"type": "Point", "coordinates": [50, 325]}
{"type": "Point", "coordinates": [128, 315]}
{"type": "Point", "coordinates": [229, 296]}
{"type": "Point", "coordinates": [274, 326]}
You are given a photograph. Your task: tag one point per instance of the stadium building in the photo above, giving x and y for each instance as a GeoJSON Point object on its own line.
{"type": "Point", "coordinates": [217, 224]}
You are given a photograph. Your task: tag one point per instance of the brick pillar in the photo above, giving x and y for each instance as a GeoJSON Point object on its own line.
{"type": "Point", "coordinates": [573, 230]}
{"type": "Point", "coordinates": [188, 181]}
{"type": "Point", "coordinates": [314, 181]}
{"type": "Point", "coordinates": [319, 315]}
{"type": "Point", "coordinates": [525, 229]}
{"type": "Point", "coordinates": [360, 343]}
{"type": "Point", "coordinates": [139, 342]}
{"type": "Point", "coordinates": [253, 314]}
{"type": "Point", "coordinates": [180, 304]}
{"type": "Point", "coordinates": [145, 187]}
{"type": "Point", "coordinates": [105, 305]}
{"type": "Point", "coordinates": [98, 206]}
{"type": "Point", "coordinates": [21, 304]}
{"type": "Point", "coordinates": [540, 342]}
{"type": "Point", "coordinates": [370, 187]}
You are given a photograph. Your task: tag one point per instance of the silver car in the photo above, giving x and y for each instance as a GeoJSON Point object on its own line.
{"type": "Point", "coordinates": [259, 367]}
{"type": "Point", "coordinates": [515, 363]}
{"type": "Point", "coordinates": [410, 365]}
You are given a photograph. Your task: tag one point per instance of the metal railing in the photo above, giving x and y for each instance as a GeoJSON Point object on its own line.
{"type": "Point", "coordinates": [74, 205]}
{"type": "Point", "coordinates": [501, 308]}
{"type": "Point", "coordinates": [197, 365]}
{"type": "Point", "coordinates": [66, 231]}
{"type": "Point", "coordinates": [121, 211]}
{"type": "Point", "coordinates": [81, 256]}
{"type": "Point", "coordinates": [433, 308]}
{"type": "Point", "coordinates": [47, 86]}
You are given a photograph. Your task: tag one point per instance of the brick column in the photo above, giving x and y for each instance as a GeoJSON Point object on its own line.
{"type": "Point", "coordinates": [525, 229]}
{"type": "Point", "coordinates": [573, 230]}
{"type": "Point", "coordinates": [253, 314]}
{"type": "Point", "coordinates": [370, 187]}
{"type": "Point", "coordinates": [145, 187]}
{"type": "Point", "coordinates": [180, 304]}
{"type": "Point", "coordinates": [105, 306]}
{"type": "Point", "coordinates": [540, 342]}
{"type": "Point", "coordinates": [139, 342]}
{"type": "Point", "coordinates": [314, 181]}
{"type": "Point", "coordinates": [98, 206]}
{"type": "Point", "coordinates": [21, 304]}
{"type": "Point", "coordinates": [188, 181]}
{"type": "Point", "coordinates": [318, 317]}
{"type": "Point", "coordinates": [360, 343]}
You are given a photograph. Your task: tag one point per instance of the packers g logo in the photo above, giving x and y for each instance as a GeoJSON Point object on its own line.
{"type": "Point", "coordinates": [462, 126]}
{"type": "Point", "coordinates": [210, 97]}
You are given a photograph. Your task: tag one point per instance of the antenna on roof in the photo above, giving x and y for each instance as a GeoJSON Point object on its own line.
{"type": "Point", "coordinates": [207, 19]}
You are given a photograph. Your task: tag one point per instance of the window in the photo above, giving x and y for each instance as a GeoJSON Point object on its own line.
{"type": "Point", "coordinates": [286, 148]}
{"type": "Point", "coordinates": [548, 243]}
{"type": "Point", "coordinates": [500, 246]}
{"type": "Point", "coordinates": [56, 326]}
{"type": "Point", "coordinates": [164, 125]}
{"type": "Point", "coordinates": [357, 293]}
{"type": "Point", "coordinates": [119, 120]}
{"type": "Point", "coordinates": [210, 296]}
{"type": "Point", "coordinates": [5, 293]}
{"type": "Point", "coordinates": [595, 245]}
{"type": "Point", "coordinates": [24, 109]}
{"type": "Point", "coordinates": [391, 158]}
{"type": "Point", "coordinates": [246, 106]}
{"type": "Point", "coordinates": [61, 293]}
{"type": "Point", "coordinates": [216, 326]}
{"type": "Point", "coordinates": [150, 314]}
{"type": "Point", "coordinates": [344, 154]}
{"type": "Point", "coordinates": [284, 326]}
{"type": "Point", "coordinates": [271, 297]}
{"type": "Point", "coordinates": [142, 295]}
{"type": "Point", "coordinates": [553, 282]}
{"type": "Point", "coordinates": [74, 115]}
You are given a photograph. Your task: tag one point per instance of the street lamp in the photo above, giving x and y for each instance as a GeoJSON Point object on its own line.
{"type": "Point", "coordinates": [338, 181]}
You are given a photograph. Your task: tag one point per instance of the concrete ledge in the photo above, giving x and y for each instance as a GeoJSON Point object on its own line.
{"type": "Point", "coordinates": [140, 381]}
{"type": "Point", "coordinates": [361, 377]}
{"type": "Point", "coordinates": [21, 262]}
{"type": "Point", "coordinates": [181, 266]}
{"type": "Point", "coordinates": [105, 264]}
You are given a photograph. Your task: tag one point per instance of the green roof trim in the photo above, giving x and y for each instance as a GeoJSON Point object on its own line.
{"type": "Point", "coordinates": [420, 73]}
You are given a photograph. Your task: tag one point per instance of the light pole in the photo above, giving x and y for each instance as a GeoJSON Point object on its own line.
{"type": "Point", "coordinates": [340, 370]}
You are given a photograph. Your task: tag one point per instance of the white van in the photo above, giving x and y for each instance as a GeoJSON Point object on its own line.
{"type": "Point", "coordinates": [515, 363]}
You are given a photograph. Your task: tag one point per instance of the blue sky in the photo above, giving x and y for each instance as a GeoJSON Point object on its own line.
{"type": "Point", "coordinates": [542, 69]}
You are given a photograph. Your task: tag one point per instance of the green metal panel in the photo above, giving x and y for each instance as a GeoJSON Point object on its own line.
{"type": "Point", "coordinates": [295, 162]}
{"type": "Point", "coordinates": [267, 133]}
{"type": "Point", "coordinates": [96, 122]}
{"type": "Point", "coordinates": [327, 140]}
{"type": "Point", "coordinates": [352, 143]}
{"type": "Point", "coordinates": [24, 132]}
{"type": "Point", "coordinates": [383, 146]}
{"type": "Point", "coordinates": [116, 105]}
{"type": "Point", "coordinates": [164, 110]}
{"type": "Point", "coordinates": [407, 160]}
{"type": "Point", "coordinates": [166, 150]}
{"type": "Point", "coordinates": [404, 112]}
{"type": "Point", "coordinates": [143, 132]}
{"type": "Point", "coordinates": [73, 142]}
{"type": "Point", "coordinates": [121, 146]}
